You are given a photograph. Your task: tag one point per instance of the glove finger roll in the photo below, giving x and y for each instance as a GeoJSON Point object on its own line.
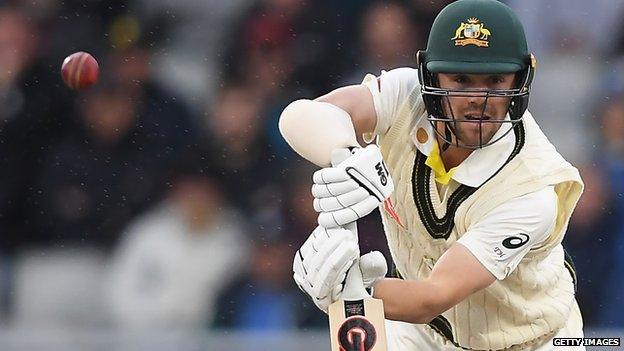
{"type": "Point", "coordinates": [341, 201]}
{"type": "Point", "coordinates": [333, 189]}
{"type": "Point", "coordinates": [327, 220]}
{"type": "Point", "coordinates": [347, 215]}
{"type": "Point", "coordinates": [330, 175]}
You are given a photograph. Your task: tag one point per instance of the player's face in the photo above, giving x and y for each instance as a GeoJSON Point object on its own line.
{"type": "Point", "coordinates": [476, 107]}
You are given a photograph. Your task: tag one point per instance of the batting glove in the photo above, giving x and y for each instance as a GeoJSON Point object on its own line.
{"type": "Point", "coordinates": [320, 266]}
{"type": "Point", "coordinates": [352, 189]}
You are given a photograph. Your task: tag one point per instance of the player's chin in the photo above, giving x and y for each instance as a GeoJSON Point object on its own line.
{"type": "Point", "coordinates": [475, 138]}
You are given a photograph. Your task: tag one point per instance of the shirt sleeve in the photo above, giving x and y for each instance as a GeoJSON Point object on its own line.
{"type": "Point", "coordinates": [501, 239]}
{"type": "Point", "coordinates": [389, 90]}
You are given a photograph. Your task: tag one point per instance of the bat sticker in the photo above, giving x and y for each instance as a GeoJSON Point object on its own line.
{"type": "Point", "coordinates": [357, 334]}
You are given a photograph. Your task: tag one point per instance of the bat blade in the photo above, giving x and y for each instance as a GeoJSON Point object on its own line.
{"type": "Point", "coordinates": [357, 325]}
{"type": "Point", "coordinates": [356, 322]}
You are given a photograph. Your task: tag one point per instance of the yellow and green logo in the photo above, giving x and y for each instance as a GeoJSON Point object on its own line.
{"type": "Point", "coordinates": [472, 33]}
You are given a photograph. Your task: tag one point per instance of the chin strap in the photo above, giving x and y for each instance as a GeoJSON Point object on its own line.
{"type": "Point", "coordinates": [448, 136]}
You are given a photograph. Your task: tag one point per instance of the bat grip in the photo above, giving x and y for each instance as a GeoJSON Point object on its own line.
{"type": "Point", "coordinates": [354, 286]}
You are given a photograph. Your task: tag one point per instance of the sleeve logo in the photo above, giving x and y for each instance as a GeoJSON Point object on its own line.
{"type": "Point", "coordinates": [516, 241]}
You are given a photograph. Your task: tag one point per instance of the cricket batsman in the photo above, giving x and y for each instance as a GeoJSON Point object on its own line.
{"type": "Point", "coordinates": [475, 200]}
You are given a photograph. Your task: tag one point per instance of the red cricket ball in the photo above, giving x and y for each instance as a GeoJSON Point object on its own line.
{"type": "Point", "coordinates": [80, 70]}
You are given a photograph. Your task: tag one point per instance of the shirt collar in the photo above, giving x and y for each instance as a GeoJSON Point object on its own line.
{"type": "Point", "coordinates": [480, 165]}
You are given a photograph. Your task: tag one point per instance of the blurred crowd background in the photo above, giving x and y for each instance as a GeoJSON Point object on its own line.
{"type": "Point", "coordinates": [164, 197]}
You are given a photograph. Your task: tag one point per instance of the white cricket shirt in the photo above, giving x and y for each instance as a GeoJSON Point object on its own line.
{"type": "Point", "coordinates": [502, 238]}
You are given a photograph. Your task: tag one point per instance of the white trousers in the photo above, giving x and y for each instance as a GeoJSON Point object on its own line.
{"type": "Point", "coordinates": [404, 336]}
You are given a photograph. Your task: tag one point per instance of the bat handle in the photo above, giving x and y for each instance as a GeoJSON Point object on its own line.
{"type": "Point", "coordinates": [354, 286]}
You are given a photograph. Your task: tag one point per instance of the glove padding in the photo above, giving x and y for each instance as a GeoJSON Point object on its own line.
{"type": "Point", "coordinates": [320, 266]}
{"type": "Point", "coordinates": [374, 268]}
{"type": "Point", "coordinates": [352, 189]}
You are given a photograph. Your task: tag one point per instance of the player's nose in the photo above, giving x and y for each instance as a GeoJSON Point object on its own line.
{"type": "Point", "coordinates": [477, 98]}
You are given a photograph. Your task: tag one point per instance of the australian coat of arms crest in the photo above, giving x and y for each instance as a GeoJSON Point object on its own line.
{"type": "Point", "coordinates": [472, 33]}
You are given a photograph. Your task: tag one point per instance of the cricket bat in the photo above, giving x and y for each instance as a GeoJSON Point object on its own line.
{"type": "Point", "coordinates": [356, 322]}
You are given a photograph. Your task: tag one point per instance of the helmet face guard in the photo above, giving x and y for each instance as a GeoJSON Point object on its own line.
{"type": "Point", "coordinates": [480, 37]}
{"type": "Point", "coordinates": [435, 97]}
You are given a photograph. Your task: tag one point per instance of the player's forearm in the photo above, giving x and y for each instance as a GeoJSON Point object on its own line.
{"type": "Point", "coordinates": [411, 301]}
{"type": "Point", "coordinates": [314, 129]}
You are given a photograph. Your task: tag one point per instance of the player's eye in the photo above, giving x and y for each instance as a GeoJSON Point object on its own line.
{"type": "Point", "coordinates": [461, 79]}
{"type": "Point", "coordinates": [497, 80]}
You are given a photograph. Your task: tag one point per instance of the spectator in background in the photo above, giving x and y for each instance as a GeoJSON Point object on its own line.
{"type": "Point", "coordinates": [197, 36]}
{"type": "Point", "coordinates": [95, 180]}
{"type": "Point", "coordinates": [176, 259]}
{"type": "Point", "coordinates": [596, 235]}
{"type": "Point", "coordinates": [35, 113]}
{"type": "Point", "coordinates": [424, 12]}
{"type": "Point", "coordinates": [265, 299]}
{"type": "Point", "coordinates": [554, 25]}
{"type": "Point", "coordinates": [570, 62]}
{"type": "Point", "coordinates": [286, 49]}
{"type": "Point", "coordinates": [299, 214]}
{"type": "Point", "coordinates": [286, 45]}
{"type": "Point", "coordinates": [593, 229]}
{"type": "Point", "coordinates": [612, 128]}
{"type": "Point", "coordinates": [169, 129]}
{"type": "Point", "coordinates": [611, 122]}
{"type": "Point", "coordinates": [388, 40]}
{"type": "Point", "coordinates": [239, 151]}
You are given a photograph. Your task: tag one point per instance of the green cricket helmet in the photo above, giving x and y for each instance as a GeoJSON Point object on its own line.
{"type": "Point", "coordinates": [475, 37]}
